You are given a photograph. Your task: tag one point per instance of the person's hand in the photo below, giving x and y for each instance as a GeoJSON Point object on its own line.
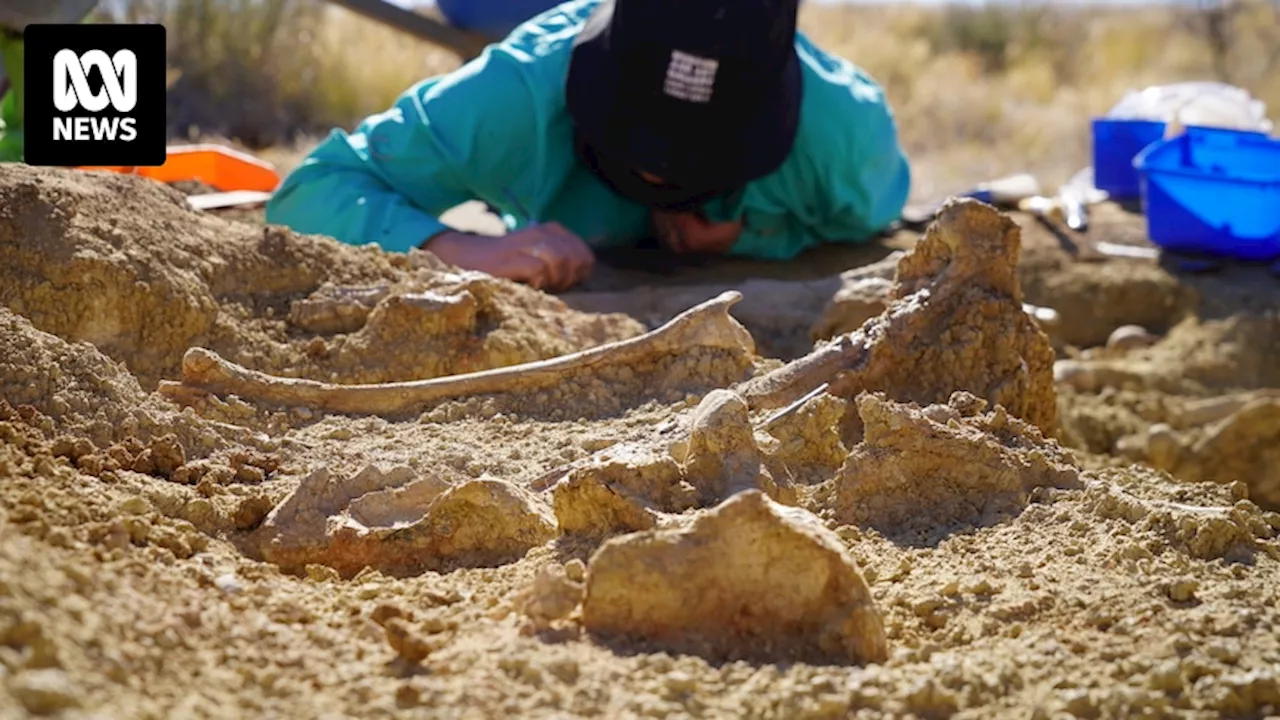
{"type": "Point", "coordinates": [686, 232]}
{"type": "Point", "coordinates": [546, 256]}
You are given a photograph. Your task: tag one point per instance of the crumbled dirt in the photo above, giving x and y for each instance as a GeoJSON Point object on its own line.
{"type": "Point", "coordinates": [922, 471]}
{"type": "Point", "coordinates": [125, 264]}
{"type": "Point", "coordinates": [627, 543]}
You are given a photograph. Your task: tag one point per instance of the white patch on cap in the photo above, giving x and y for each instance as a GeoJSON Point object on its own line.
{"type": "Point", "coordinates": [690, 78]}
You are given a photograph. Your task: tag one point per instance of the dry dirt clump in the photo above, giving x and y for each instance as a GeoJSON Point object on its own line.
{"type": "Point", "coordinates": [793, 594]}
{"type": "Point", "coordinates": [1198, 402]}
{"type": "Point", "coordinates": [396, 522]}
{"type": "Point", "coordinates": [125, 264]}
{"type": "Point", "coordinates": [969, 331]}
{"type": "Point", "coordinates": [645, 540]}
{"type": "Point", "coordinates": [637, 487]}
{"type": "Point", "coordinates": [925, 470]}
{"type": "Point", "coordinates": [955, 321]}
{"type": "Point", "coordinates": [100, 408]}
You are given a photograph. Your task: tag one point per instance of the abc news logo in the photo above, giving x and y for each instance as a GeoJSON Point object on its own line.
{"type": "Point", "coordinates": [71, 90]}
{"type": "Point", "coordinates": [95, 95]}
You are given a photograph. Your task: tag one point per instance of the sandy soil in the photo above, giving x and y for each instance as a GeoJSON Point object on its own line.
{"type": "Point", "coordinates": [986, 517]}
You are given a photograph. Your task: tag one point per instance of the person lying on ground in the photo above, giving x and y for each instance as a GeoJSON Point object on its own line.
{"type": "Point", "coordinates": [15, 16]}
{"type": "Point", "coordinates": [714, 125]}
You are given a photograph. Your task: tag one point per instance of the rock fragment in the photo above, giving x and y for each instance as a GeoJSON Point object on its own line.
{"type": "Point", "coordinates": [336, 309]}
{"type": "Point", "coordinates": [723, 457]}
{"type": "Point", "coordinates": [1241, 443]}
{"type": "Point", "coordinates": [750, 579]}
{"type": "Point", "coordinates": [627, 488]}
{"type": "Point", "coordinates": [424, 313]}
{"type": "Point", "coordinates": [1245, 447]}
{"type": "Point", "coordinates": [634, 487]}
{"type": "Point", "coordinates": [928, 468]}
{"type": "Point", "coordinates": [552, 596]}
{"type": "Point", "coordinates": [393, 521]}
{"type": "Point", "coordinates": [45, 691]}
{"type": "Point", "coordinates": [1130, 337]}
{"type": "Point", "coordinates": [955, 320]}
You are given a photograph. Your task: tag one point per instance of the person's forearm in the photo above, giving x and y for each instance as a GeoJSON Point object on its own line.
{"type": "Point", "coordinates": [352, 207]}
{"type": "Point", "coordinates": [448, 245]}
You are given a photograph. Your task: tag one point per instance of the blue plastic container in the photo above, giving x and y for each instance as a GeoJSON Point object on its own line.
{"type": "Point", "coordinates": [494, 19]}
{"type": "Point", "coordinates": [1213, 192]}
{"type": "Point", "coordinates": [1115, 144]}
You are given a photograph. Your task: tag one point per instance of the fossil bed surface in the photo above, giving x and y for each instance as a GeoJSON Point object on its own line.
{"type": "Point", "coordinates": [987, 516]}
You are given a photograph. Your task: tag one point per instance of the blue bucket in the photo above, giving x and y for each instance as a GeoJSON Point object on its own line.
{"type": "Point", "coordinates": [1115, 143]}
{"type": "Point", "coordinates": [494, 19]}
{"type": "Point", "coordinates": [1213, 192]}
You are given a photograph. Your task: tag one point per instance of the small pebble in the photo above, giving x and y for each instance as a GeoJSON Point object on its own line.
{"type": "Point", "coordinates": [1183, 589]}
{"type": "Point", "coordinates": [575, 570]}
{"type": "Point", "coordinates": [1130, 337]}
{"type": "Point", "coordinates": [45, 691]}
{"type": "Point", "coordinates": [681, 682]}
{"type": "Point", "coordinates": [1163, 447]}
{"type": "Point", "coordinates": [134, 506]}
{"type": "Point", "coordinates": [228, 583]}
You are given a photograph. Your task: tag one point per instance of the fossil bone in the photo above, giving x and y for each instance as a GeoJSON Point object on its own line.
{"type": "Point", "coordinates": [707, 324]}
{"type": "Point", "coordinates": [1211, 410]}
{"type": "Point", "coordinates": [955, 321]}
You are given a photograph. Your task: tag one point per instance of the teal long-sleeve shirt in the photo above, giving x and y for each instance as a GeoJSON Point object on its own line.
{"type": "Point", "coordinates": [497, 130]}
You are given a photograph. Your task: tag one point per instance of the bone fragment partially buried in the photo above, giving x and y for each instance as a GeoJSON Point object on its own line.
{"type": "Point", "coordinates": [954, 320]}
{"type": "Point", "coordinates": [708, 325]}
{"type": "Point", "coordinates": [399, 522]}
{"type": "Point", "coordinates": [635, 487]}
{"type": "Point", "coordinates": [336, 309]}
{"type": "Point", "coordinates": [924, 469]}
{"type": "Point", "coordinates": [749, 579]}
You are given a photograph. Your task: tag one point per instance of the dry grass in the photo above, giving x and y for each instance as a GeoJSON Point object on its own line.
{"type": "Point", "coordinates": [978, 91]}
{"type": "Point", "coordinates": [984, 91]}
{"type": "Point", "coordinates": [266, 71]}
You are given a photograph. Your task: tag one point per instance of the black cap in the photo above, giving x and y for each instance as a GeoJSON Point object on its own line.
{"type": "Point", "coordinates": [702, 93]}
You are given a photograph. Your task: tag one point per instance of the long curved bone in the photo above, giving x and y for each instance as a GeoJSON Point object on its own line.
{"type": "Point", "coordinates": [707, 324]}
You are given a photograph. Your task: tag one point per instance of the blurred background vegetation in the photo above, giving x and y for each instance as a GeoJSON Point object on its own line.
{"type": "Point", "coordinates": [979, 90]}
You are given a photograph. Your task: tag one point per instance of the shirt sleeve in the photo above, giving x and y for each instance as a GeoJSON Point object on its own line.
{"type": "Point", "coordinates": [866, 186]}
{"type": "Point", "coordinates": [847, 181]}
{"type": "Point", "coordinates": [445, 141]}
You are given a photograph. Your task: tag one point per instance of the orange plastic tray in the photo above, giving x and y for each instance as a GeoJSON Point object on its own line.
{"type": "Point", "coordinates": [214, 165]}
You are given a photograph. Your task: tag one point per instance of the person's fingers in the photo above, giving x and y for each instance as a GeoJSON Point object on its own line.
{"type": "Point", "coordinates": [578, 253]}
{"type": "Point", "coordinates": [585, 253]}
{"type": "Point", "coordinates": [587, 262]}
{"type": "Point", "coordinates": [574, 255]}
{"type": "Point", "coordinates": [530, 270]}
{"type": "Point", "coordinates": [565, 258]}
{"type": "Point", "coordinates": [560, 272]}
{"type": "Point", "coordinates": [526, 268]}
{"type": "Point", "coordinates": [554, 263]}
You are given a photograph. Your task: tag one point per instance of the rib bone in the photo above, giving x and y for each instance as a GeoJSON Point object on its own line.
{"type": "Point", "coordinates": [705, 325]}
